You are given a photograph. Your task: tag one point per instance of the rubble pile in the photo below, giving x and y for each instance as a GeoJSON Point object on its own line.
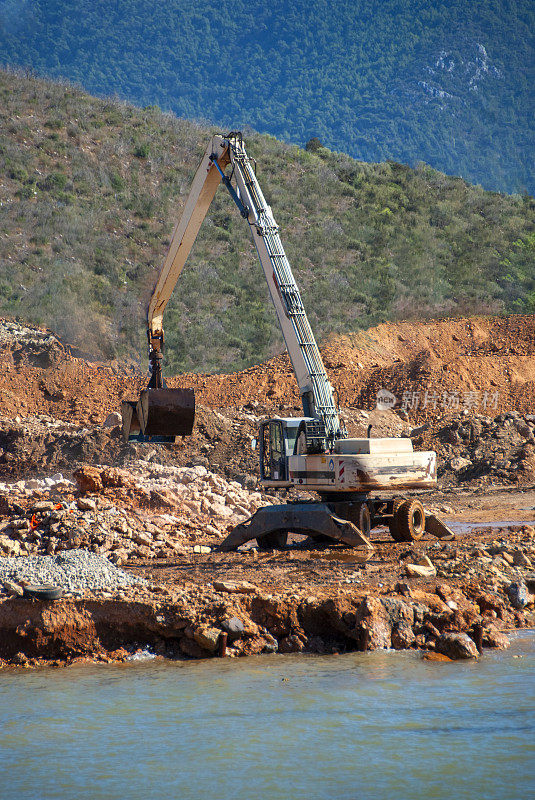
{"type": "Point", "coordinates": [481, 449]}
{"type": "Point", "coordinates": [39, 347]}
{"type": "Point", "coordinates": [495, 564]}
{"type": "Point", "coordinates": [153, 511]}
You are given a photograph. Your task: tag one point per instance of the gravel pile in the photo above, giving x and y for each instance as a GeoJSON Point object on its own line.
{"type": "Point", "coordinates": [76, 571]}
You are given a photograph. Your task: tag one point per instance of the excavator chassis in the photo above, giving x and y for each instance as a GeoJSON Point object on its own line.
{"type": "Point", "coordinates": [271, 524]}
{"type": "Point", "coordinates": [310, 519]}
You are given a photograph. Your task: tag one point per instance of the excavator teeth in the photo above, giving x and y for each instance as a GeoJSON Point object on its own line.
{"type": "Point", "coordinates": [166, 412]}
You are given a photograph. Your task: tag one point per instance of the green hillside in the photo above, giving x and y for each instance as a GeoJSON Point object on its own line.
{"type": "Point", "coordinates": [90, 191]}
{"type": "Point", "coordinates": [450, 83]}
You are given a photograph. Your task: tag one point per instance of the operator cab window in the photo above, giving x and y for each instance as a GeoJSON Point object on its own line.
{"type": "Point", "coordinates": [273, 451]}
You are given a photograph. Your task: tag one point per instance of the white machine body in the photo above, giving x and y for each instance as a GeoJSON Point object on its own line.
{"type": "Point", "coordinates": [355, 465]}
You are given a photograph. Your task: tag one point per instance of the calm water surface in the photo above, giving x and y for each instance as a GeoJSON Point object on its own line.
{"type": "Point", "coordinates": [366, 726]}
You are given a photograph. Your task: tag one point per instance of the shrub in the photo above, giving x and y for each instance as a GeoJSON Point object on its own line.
{"type": "Point", "coordinates": [55, 181]}
{"type": "Point", "coordinates": [142, 150]}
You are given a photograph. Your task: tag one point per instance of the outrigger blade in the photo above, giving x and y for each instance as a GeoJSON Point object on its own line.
{"type": "Point", "coordinates": [160, 415]}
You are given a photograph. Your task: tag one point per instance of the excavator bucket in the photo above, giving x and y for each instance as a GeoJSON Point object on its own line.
{"type": "Point", "coordinates": [166, 412]}
{"type": "Point", "coordinates": [159, 415]}
{"type": "Point", "coordinates": [131, 429]}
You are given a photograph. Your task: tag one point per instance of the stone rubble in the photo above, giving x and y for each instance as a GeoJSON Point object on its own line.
{"type": "Point", "coordinates": [151, 511]}
{"type": "Point", "coordinates": [483, 450]}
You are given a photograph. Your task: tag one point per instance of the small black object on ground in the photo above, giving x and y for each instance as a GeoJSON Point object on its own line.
{"type": "Point", "coordinates": [44, 591]}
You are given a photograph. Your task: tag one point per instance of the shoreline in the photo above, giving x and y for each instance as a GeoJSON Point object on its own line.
{"type": "Point", "coordinates": [136, 554]}
{"type": "Point", "coordinates": [239, 619]}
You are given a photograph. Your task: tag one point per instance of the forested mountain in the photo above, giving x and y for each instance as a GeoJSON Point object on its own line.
{"type": "Point", "coordinates": [90, 190]}
{"type": "Point", "coordinates": [447, 83]}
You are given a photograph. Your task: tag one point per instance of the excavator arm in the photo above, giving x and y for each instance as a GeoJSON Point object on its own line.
{"type": "Point", "coordinates": [207, 178]}
{"type": "Point", "coordinates": [242, 184]}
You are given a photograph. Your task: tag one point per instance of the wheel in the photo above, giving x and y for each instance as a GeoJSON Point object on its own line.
{"type": "Point", "coordinates": [364, 523]}
{"type": "Point", "coordinates": [44, 592]}
{"type": "Point", "coordinates": [409, 522]}
{"type": "Point", "coordinates": [274, 540]}
{"type": "Point", "coordinates": [392, 525]}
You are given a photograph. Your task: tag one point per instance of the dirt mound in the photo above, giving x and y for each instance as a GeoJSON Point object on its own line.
{"type": "Point", "coordinates": [484, 365]}
{"type": "Point", "coordinates": [437, 368]}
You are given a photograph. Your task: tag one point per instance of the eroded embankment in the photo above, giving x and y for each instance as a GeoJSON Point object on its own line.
{"type": "Point", "coordinates": [234, 619]}
{"type": "Point", "coordinates": [489, 359]}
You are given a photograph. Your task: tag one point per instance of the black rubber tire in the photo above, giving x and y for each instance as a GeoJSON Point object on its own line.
{"type": "Point", "coordinates": [274, 540]}
{"type": "Point", "coordinates": [409, 521]}
{"type": "Point", "coordinates": [392, 525]}
{"type": "Point", "coordinates": [364, 520]}
{"type": "Point", "coordinates": [44, 592]}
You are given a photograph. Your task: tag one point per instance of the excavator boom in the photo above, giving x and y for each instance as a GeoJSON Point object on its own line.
{"type": "Point", "coordinates": [323, 424]}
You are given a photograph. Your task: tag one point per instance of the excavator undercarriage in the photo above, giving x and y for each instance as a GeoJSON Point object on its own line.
{"type": "Point", "coordinates": [342, 521]}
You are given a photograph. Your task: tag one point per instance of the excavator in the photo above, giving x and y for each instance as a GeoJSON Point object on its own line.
{"type": "Point", "coordinates": [313, 452]}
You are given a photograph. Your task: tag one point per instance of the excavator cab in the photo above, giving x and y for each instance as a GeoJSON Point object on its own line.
{"type": "Point", "coordinates": [279, 439]}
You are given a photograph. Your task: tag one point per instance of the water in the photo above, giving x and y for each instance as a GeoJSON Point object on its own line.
{"type": "Point", "coordinates": [366, 726]}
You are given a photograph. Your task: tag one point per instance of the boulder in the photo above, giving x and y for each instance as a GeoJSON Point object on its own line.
{"type": "Point", "coordinates": [112, 420]}
{"type": "Point", "coordinates": [235, 587]}
{"type": "Point", "coordinates": [444, 591]}
{"type": "Point", "coordinates": [43, 505]}
{"type": "Point", "coordinates": [270, 644]}
{"type": "Point", "coordinates": [86, 504]}
{"type": "Point", "coordinates": [207, 638]}
{"type": "Point", "coordinates": [519, 595]}
{"type": "Point", "coordinates": [433, 656]}
{"type": "Point", "coordinates": [12, 588]}
{"type": "Point", "coordinates": [520, 559]}
{"type": "Point", "coordinates": [402, 637]}
{"type": "Point", "coordinates": [88, 480]}
{"type": "Point", "coordinates": [164, 498]}
{"type": "Point", "coordinates": [373, 626]}
{"type": "Point", "coordinates": [420, 571]}
{"type": "Point", "coordinates": [191, 648]}
{"type": "Point", "coordinates": [456, 646]}
{"type": "Point", "coordinates": [143, 552]}
{"type": "Point", "coordinates": [489, 602]}
{"type": "Point", "coordinates": [118, 557]}
{"type": "Point", "coordinates": [234, 627]}
{"type": "Point", "coordinates": [9, 547]}
{"type": "Point", "coordinates": [140, 537]}
{"type": "Point", "coordinates": [492, 637]}
{"type": "Point", "coordinates": [458, 463]}
{"type": "Point", "coordinates": [114, 478]}
{"type": "Point", "coordinates": [291, 644]}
